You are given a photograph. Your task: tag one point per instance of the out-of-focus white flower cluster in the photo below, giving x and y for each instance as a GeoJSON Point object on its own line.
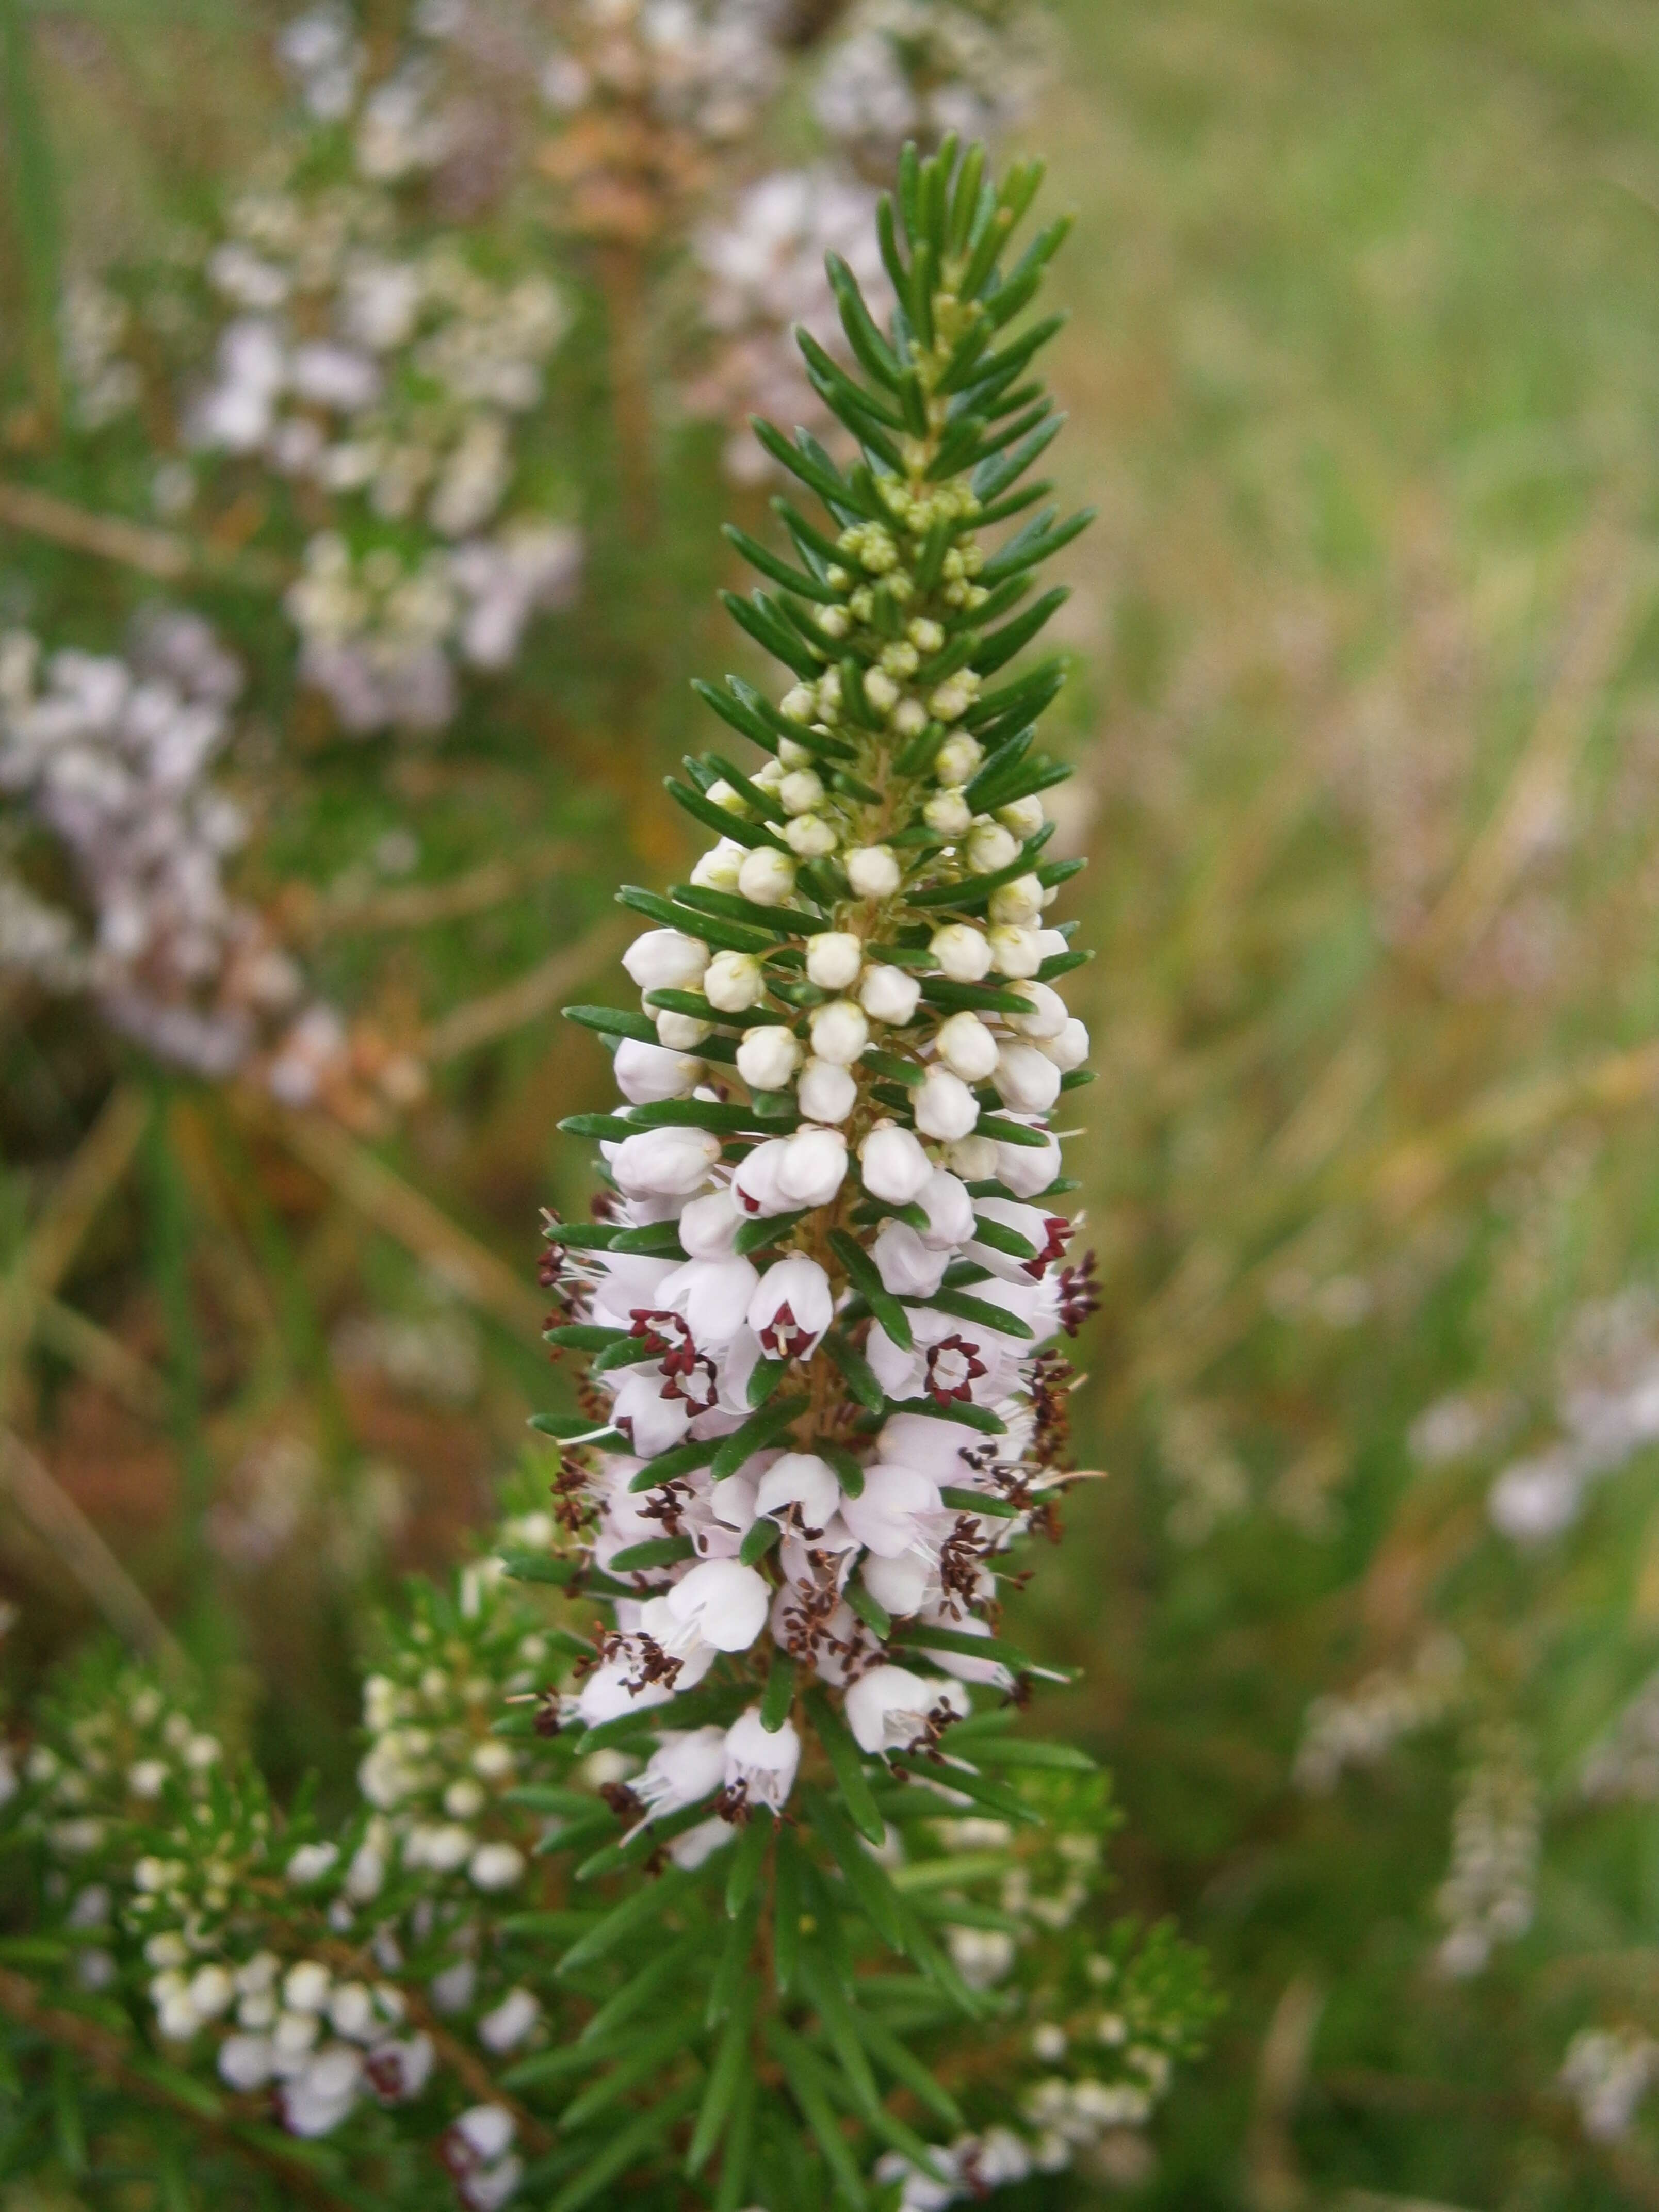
{"type": "Point", "coordinates": [1607, 1403]}
{"type": "Point", "coordinates": [115, 756]}
{"type": "Point", "coordinates": [920, 68]}
{"type": "Point", "coordinates": [1487, 1898]}
{"type": "Point", "coordinates": [762, 265]}
{"type": "Point", "coordinates": [1606, 2072]}
{"type": "Point", "coordinates": [380, 637]}
{"type": "Point", "coordinates": [704, 66]}
{"type": "Point", "coordinates": [1102, 2065]}
{"type": "Point", "coordinates": [1389, 1704]}
{"type": "Point", "coordinates": [900, 70]}
{"type": "Point", "coordinates": [351, 348]}
{"type": "Point", "coordinates": [313, 1970]}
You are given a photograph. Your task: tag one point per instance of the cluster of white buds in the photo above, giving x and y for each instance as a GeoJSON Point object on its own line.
{"type": "Point", "coordinates": [320, 2041]}
{"type": "Point", "coordinates": [115, 756]}
{"type": "Point", "coordinates": [1389, 1704]}
{"type": "Point", "coordinates": [120, 1753]}
{"type": "Point", "coordinates": [448, 110]}
{"type": "Point", "coordinates": [1487, 1898]}
{"type": "Point", "coordinates": [434, 1774]}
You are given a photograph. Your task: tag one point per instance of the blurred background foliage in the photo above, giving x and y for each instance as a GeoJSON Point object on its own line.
{"type": "Point", "coordinates": [1363, 376]}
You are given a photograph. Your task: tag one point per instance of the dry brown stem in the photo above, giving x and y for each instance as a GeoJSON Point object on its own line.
{"type": "Point", "coordinates": [405, 1214]}
{"type": "Point", "coordinates": [55, 1517]}
{"type": "Point", "coordinates": [497, 1014]}
{"type": "Point", "coordinates": [163, 554]}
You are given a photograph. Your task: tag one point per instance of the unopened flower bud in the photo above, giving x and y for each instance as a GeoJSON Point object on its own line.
{"type": "Point", "coordinates": [953, 698]}
{"type": "Point", "coordinates": [967, 1046]}
{"type": "Point", "coordinates": [647, 1073]}
{"type": "Point", "coordinates": [496, 1866]}
{"type": "Point", "coordinates": [840, 1032]}
{"type": "Point", "coordinates": [948, 814]}
{"type": "Point", "coordinates": [665, 1163]}
{"type": "Point", "coordinates": [888, 994]}
{"type": "Point", "coordinates": [926, 635]}
{"type": "Point", "coordinates": [768, 877]}
{"type": "Point", "coordinates": [809, 837]}
{"type": "Point", "coordinates": [800, 705]}
{"type": "Point", "coordinates": [1027, 1080]}
{"type": "Point", "coordinates": [826, 1092]}
{"type": "Point", "coordinates": [872, 871]}
{"type": "Point", "coordinates": [962, 951]}
{"type": "Point", "coordinates": [975, 1159]}
{"type": "Point", "coordinates": [682, 1032]}
{"type": "Point", "coordinates": [767, 1058]}
{"type": "Point", "coordinates": [834, 959]}
{"type": "Point", "coordinates": [1070, 1048]}
{"type": "Point", "coordinates": [813, 1167]}
{"type": "Point", "coordinates": [801, 790]}
{"type": "Point", "coordinates": [1024, 816]}
{"type": "Point", "coordinates": [907, 1266]}
{"type": "Point", "coordinates": [733, 982]}
{"type": "Point", "coordinates": [1015, 950]}
{"type": "Point", "coordinates": [1048, 1016]}
{"type": "Point", "coordinates": [957, 757]}
{"type": "Point", "coordinates": [893, 1165]}
{"type": "Point", "coordinates": [666, 960]}
{"type": "Point", "coordinates": [1014, 904]}
{"type": "Point", "coordinates": [1025, 1170]}
{"type": "Point", "coordinates": [909, 718]}
{"type": "Point", "coordinates": [719, 869]}
{"type": "Point", "coordinates": [880, 690]}
{"type": "Point", "coordinates": [944, 1199]}
{"type": "Point", "coordinates": [944, 1106]}
{"type": "Point", "coordinates": [989, 847]}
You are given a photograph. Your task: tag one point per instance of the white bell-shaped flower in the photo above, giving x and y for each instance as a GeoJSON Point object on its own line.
{"type": "Point", "coordinates": [890, 1516]}
{"type": "Point", "coordinates": [687, 1766]}
{"type": "Point", "coordinates": [890, 1709]}
{"type": "Point", "coordinates": [792, 1306]}
{"type": "Point", "coordinates": [803, 1480]}
{"type": "Point", "coordinates": [720, 1603]}
{"type": "Point", "coordinates": [761, 1765]}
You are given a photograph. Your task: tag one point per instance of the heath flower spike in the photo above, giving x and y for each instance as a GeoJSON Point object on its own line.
{"type": "Point", "coordinates": [850, 1173]}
